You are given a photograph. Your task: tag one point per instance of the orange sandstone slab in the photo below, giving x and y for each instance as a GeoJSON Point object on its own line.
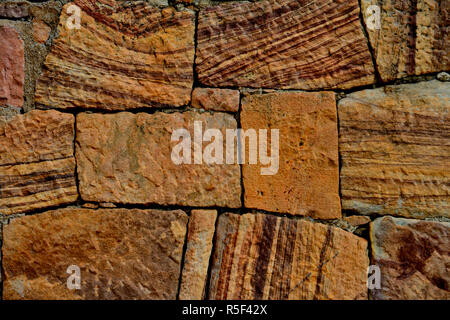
{"type": "Point", "coordinates": [123, 56]}
{"type": "Point", "coordinates": [120, 253]}
{"type": "Point", "coordinates": [261, 256]}
{"type": "Point", "coordinates": [127, 158]}
{"type": "Point", "coordinates": [413, 257]}
{"type": "Point", "coordinates": [307, 180]}
{"type": "Point", "coordinates": [283, 44]}
{"type": "Point", "coordinates": [37, 166]}
{"type": "Point", "coordinates": [394, 146]}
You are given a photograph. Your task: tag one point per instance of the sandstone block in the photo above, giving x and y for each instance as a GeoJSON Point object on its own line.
{"type": "Point", "coordinates": [216, 99]}
{"type": "Point", "coordinates": [413, 257]}
{"type": "Point", "coordinates": [283, 44]}
{"type": "Point", "coordinates": [307, 180]}
{"type": "Point", "coordinates": [395, 150]}
{"type": "Point", "coordinates": [265, 257]}
{"type": "Point", "coordinates": [37, 166]}
{"type": "Point", "coordinates": [121, 254]}
{"type": "Point", "coordinates": [123, 56]}
{"type": "Point", "coordinates": [127, 158]}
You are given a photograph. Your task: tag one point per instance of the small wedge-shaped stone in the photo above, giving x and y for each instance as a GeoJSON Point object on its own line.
{"type": "Point", "coordinates": [413, 257]}
{"type": "Point", "coordinates": [37, 166]}
{"type": "Point", "coordinates": [395, 151]}
{"type": "Point", "coordinates": [127, 158]}
{"type": "Point", "coordinates": [413, 37]}
{"type": "Point", "coordinates": [283, 44]}
{"type": "Point", "coordinates": [120, 253]}
{"type": "Point", "coordinates": [261, 256]}
{"type": "Point", "coordinates": [123, 56]}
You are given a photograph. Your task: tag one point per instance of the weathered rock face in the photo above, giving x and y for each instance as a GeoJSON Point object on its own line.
{"type": "Point", "coordinates": [14, 9]}
{"type": "Point", "coordinates": [216, 99]}
{"type": "Point", "coordinates": [413, 257]}
{"type": "Point", "coordinates": [307, 180]}
{"type": "Point", "coordinates": [127, 158]}
{"type": "Point", "coordinates": [283, 44]}
{"type": "Point", "coordinates": [395, 151]}
{"type": "Point", "coordinates": [122, 254]}
{"type": "Point", "coordinates": [12, 64]}
{"type": "Point", "coordinates": [413, 38]}
{"type": "Point", "coordinates": [123, 56]}
{"type": "Point", "coordinates": [198, 252]}
{"type": "Point", "coordinates": [37, 167]}
{"type": "Point", "coordinates": [265, 257]}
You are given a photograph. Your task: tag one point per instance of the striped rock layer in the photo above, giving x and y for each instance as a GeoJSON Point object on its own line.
{"type": "Point", "coordinates": [395, 150]}
{"type": "Point", "coordinates": [127, 158]}
{"type": "Point", "coordinates": [37, 166]}
{"type": "Point", "coordinates": [120, 253]}
{"type": "Point", "coordinates": [413, 257]}
{"type": "Point", "coordinates": [123, 56]}
{"type": "Point", "coordinates": [298, 44]}
{"type": "Point", "coordinates": [413, 38]}
{"type": "Point", "coordinates": [307, 179]}
{"type": "Point", "coordinates": [260, 256]}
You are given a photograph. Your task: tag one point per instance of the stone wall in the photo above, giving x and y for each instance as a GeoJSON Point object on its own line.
{"type": "Point", "coordinates": [93, 205]}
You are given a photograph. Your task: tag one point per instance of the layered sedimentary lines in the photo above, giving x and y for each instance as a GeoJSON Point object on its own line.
{"type": "Point", "coordinates": [283, 44]}
{"type": "Point", "coordinates": [413, 257]}
{"type": "Point", "coordinates": [121, 254]}
{"type": "Point", "coordinates": [37, 167]}
{"type": "Point", "coordinates": [413, 37]}
{"type": "Point", "coordinates": [127, 158]}
{"type": "Point", "coordinates": [265, 257]}
{"type": "Point", "coordinates": [395, 147]}
{"type": "Point", "coordinates": [123, 56]}
{"type": "Point", "coordinates": [306, 179]}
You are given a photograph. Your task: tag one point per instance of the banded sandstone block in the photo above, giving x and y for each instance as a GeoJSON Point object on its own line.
{"type": "Point", "coordinates": [307, 180]}
{"type": "Point", "coordinates": [395, 149]}
{"type": "Point", "coordinates": [261, 256]}
{"type": "Point", "coordinates": [123, 56]}
{"type": "Point", "coordinates": [202, 224]}
{"type": "Point", "coordinates": [127, 158]}
{"type": "Point", "coordinates": [121, 254]}
{"type": "Point", "coordinates": [37, 166]}
{"type": "Point", "coordinates": [283, 44]}
{"type": "Point", "coordinates": [413, 38]}
{"type": "Point", "coordinates": [12, 67]}
{"type": "Point", "coordinates": [413, 257]}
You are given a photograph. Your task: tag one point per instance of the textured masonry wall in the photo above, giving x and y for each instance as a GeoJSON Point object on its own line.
{"type": "Point", "coordinates": [87, 178]}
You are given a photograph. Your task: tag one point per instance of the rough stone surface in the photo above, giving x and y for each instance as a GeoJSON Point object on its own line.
{"type": "Point", "coordinates": [307, 182]}
{"type": "Point", "coordinates": [443, 76]}
{"type": "Point", "coordinates": [14, 10]}
{"type": "Point", "coordinates": [126, 158]}
{"type": "Point", "coordinates": [216, 99]}
{"type": "Point", "coordinates": [124, 56]}
{"type": "Point", "coordinates": [37, 167]}
{"type": "Point", "coordinates": [283, 44]}
{"type": "Point", "coordinates": [41, 31]}
{"type": "Point", "coordinates": [122, 254]}
{"type": "Point", "coordinates": [414, 258]}
{"type": "Point", "coordinates": [394, 146]}
{"type": "Point", "coordinates": [12, 64]}
{"type": "Point", "coordinates": [198, 251]}
{"type": "Point", "coordinates": [265, 257]}
{"type": "Point", "coordinates": [414, 37]}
